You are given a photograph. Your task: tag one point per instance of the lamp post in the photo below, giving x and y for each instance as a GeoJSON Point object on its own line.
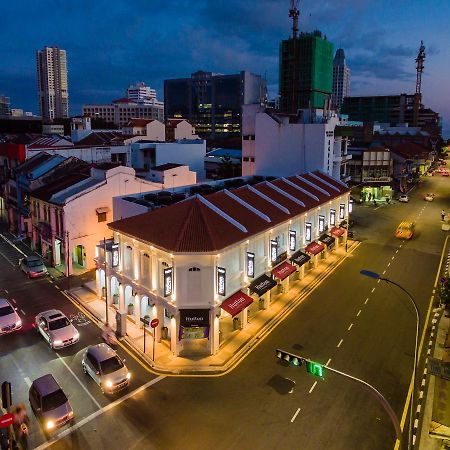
{"type": "Point", "coordinates": [376, 276]}
{"type": "Point", "coordinates": [106, 283]}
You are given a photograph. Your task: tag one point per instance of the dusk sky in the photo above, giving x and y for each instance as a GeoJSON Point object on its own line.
{"type": "Point", "coordinates": [112, 43]}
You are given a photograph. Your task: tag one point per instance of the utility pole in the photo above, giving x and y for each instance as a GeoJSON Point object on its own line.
{"type": "Point", "coordinates": [106, 283]}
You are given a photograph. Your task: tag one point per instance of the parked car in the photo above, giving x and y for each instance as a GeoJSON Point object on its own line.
{"type": "Point", "coordinates": [9, 319]}
{"type": "Point", "coordinates": [106, 368]}
{"type": "Point", "coordinates": [56, 329]}
{"type": "Point", "coordinates": [33, 266]}
{"type": "Point", "coordinates": [429, 197]}
{"type": "Point", "coordinates": [403, 198]}
{"type": "Point", "coordinates": [405, 230]}
{"type": "Point", "coordinates": [445, 174]}
{"type": "Point", "coordinates": [49, 403]}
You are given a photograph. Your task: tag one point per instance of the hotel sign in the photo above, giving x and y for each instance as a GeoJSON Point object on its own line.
{"type": "Point", "coordinates": [250, 264]}
{"type": "Point", "coordinates": [168, 281]}
{"type": "Point", "coordinates": [273, 250]}
{"type": "Point", "coordinates": [115, 255]}
{"type": "Point", "coordinates": [341, 211]}
{"type": "Point", "coordinates": [332, 217]}
{"type": "Point", "coordinates": [221, 280]}
{"type": "Point", "coordinates": [292, 240]}
{"type": "Point", "coordinates": [321, 224]}
{"type": "Point", "coordinates": [308, 228]}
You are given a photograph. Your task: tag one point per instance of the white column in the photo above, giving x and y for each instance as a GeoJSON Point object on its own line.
{"type": "Point", "coordinates": [158, 313]}
{"type": "Point", "coordinates": [121, 297]}
{"type": "Point", "coordinates": [175, 344]}
{"type": "Point", "coordinates": [137, 309]}
{"type": "Point", "coordinates": [244, 318]}
{"type": "Point", "coordinates": [214, 335]}
{"type": "Point", "coordinates": [97, 283]}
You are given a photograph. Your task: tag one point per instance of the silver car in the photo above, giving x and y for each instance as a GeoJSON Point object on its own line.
{"type": "Point", "coordinates": [56, 329]}
{"type": "Point", "coordinates": [49, 403]}
{"type": "Point", "coordinates": [33, 266]}
{"type": "Point", "coordinates": [9, 319]}
{"type": "Point", "coordinates": [106, 368]}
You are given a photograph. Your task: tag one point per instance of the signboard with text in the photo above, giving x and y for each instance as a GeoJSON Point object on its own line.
{"type": "Point", "coordinates": [273, 250]}
{"type": "Point", "coordinates": [168, 281]}
{"type": "Point", "coordinates": [250, 264]}
{"type": "Point", "coordinates": [292, 240]}
{"type": "Point", "coordinates": [115, 255]}
{"type": "Point", "coordinates": [221, 280]}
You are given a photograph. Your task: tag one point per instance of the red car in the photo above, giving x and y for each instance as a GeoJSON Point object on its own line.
{"type": "Point", "coordinates": [445, 174]}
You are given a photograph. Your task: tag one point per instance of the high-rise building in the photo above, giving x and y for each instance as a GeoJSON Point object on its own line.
{"type": "Point", "coordinates": [306, 72]}
{"type": "Point", "coordinates": [341, 80]}
{"type": "Point", "coordinates": [5, 106]}
{"type": "Point", "coordinates": [212, 102]}
{"type": "Point", "coordinates": [140, 93]}
{"type": "Point", "coordinates": [53, 93]}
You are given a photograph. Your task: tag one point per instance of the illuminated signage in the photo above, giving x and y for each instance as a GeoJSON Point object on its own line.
{"type": "Point", "coordinates": [115, 255]}
{"type": "Point", "coordinates": [350, 206]}
{"type": "Point", "coordinates": [292, 240]}
{"type": "Point", "coordinates": [341, 212]}
{"type": "Point", "coordinates": [168, 285]}
{"type": "Point", "coordinates": [321, 224]}
{"type": "Point", "coordinates": [250, 264]}
{"type": "Point", "coordinates": [332, 217]}
{"type": "Point", "coordinates": [308, 228]}
{"type": "Point", "coordinates": [221, 274]}
{"type": "Point", "coordinates": [273, 250]}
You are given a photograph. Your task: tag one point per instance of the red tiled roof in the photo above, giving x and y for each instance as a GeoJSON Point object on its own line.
{"type": "Point", "coordinates": [139, 122]}
{"type": "Point", "coordinates": [410, 149]}
{"type": "Point", "coordinates": [218, 221]}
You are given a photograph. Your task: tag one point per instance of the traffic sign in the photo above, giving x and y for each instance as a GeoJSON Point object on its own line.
{"type": "Point", "coordinates": [145, 321]}
{"type": "Point", "coordinates": [154, 323]}
{"type": "Point", "coordinates": [6, 420]}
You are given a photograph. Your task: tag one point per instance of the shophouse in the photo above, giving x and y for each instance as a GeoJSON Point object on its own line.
{"type": "Point", "coordinates": [205, 265]}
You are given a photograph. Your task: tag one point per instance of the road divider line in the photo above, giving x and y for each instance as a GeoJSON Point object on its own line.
{"type": "Point", "coordinates": [23, 312]}
{"type": "Point", "coordinates": [373, 290]}
{"type": "Point", "coordinates": [6, 290]}
{"type": "Point", "coordinates": [99, 412]}
{"type": "Point", "coordinates": [312, 387]}
{"type": "Point", "coordinates": [295, 415]}
{"type": "Point", "coordinates": [340, 343]}
{"type": "Point", "coordinates": [328, 362]}
{"type": "Point", "coordinates": [79, 382]}
{"type": "Point", "coordinates": [383, 273]}
{"type": "Point", "coordinates": [393, 258]}
{"type": "Point", "coordinates": [12, 245]}
{"type": "Point", "coordinates": [389, 264]}
{"type": "Point", "coordinates": [396, 251]}
{"type": "Point", "coordinates": [14, 300]}
{"type": "Point", "coordinates": [367, 299]}
{"type": "Point", "coordinates": [350, 327]}
{"type": "Point", "coordinates": [359, 312]}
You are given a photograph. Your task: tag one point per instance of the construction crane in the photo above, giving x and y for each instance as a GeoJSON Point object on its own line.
{"type": "Point", "coordinates": [294, 13]}
{"type": "Point", "coordinates": [419, 67]}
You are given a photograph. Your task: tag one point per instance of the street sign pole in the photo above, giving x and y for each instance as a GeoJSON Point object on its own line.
{"type": "Point", "coordinates": [144, 339]}
{"type": "Point", "coordinates": [146, 322]}
{"type": "Point", "coordinates": [154, 323]}
{"type": "Point", "coordinates": [154, 331]}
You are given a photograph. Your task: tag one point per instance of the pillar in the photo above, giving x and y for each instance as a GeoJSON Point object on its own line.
{"type": "Point", "coordinates": [244, 318]}
{"type": "Point", "coordinates": [158, 312]}
{"type": "Point", "coordinates": [97, 283]}
{"type": "Point", "coordinates": [137, 309]}
{"type": "Point", "coordinates": [121, 297]}
{"type": "Point", "coordinates": [175, 344]}
{"type": "Point", "coordinates": [214, 335]}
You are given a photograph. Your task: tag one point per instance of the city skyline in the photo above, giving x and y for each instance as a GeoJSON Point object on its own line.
{"type": "Point", "coordinates": [158, 41]}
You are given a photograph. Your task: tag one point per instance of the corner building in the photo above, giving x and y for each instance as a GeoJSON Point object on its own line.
{"type": "Point", "coordinates": [205, 265]}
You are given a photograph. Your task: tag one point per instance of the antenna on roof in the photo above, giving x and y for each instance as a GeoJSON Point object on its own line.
{"type": "Point", "coordinates": [294, 13]}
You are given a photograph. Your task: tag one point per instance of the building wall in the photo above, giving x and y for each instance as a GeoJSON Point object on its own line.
{"type": "Point", "coordinates": [88, 154]}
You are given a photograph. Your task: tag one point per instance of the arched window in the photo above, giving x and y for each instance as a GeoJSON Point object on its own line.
{"type": "Point", "coordinates": [194, 269]}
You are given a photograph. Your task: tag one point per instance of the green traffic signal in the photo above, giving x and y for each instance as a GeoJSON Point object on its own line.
{"type": "Point", "coordinates": [314, 368]}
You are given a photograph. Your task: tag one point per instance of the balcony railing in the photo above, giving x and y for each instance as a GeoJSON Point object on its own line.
{"type": "Point", "coordinates": [377, 179]}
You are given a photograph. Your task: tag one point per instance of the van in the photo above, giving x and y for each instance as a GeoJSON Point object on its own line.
{"type": "Point", "coordinates": [49, 403]}
{"type": "Point", "coordinates": [405, 230]}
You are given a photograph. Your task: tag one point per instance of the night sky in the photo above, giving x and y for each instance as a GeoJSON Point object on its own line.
{"type": "Point", "coordinates": [112, 43]}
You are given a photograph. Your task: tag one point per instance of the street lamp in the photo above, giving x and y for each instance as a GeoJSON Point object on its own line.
{"type": "Point", "coordinates": [376, 276]}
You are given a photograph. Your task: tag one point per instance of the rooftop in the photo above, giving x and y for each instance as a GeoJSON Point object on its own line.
{"type": "Point", "coordinates": [167, 166]}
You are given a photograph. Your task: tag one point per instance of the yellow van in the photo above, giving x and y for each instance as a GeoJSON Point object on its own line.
{"type": "Point", "coordinates": [405, 230]}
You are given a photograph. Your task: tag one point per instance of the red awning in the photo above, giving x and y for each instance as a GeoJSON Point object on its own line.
{"type": "Point", "coordinates": [337, 231]}
{"type": "Point", "coordinates": [314, 248]}
{"type": "Point", "coordinates": [236, 303]}
{"type": "Point", "coordinates": [283, 270]}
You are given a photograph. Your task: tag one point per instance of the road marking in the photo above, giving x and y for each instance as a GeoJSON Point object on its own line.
{"type": "Point", "coordinates": [99, 412]}
{"type": "Point", "coordinates": [295, 415]}
{"type": "Point", "coordinates": [14, 301]}
{"type": "Point", "coordinates": [6, 290]}
{"type": "Point", "coordinates": [23, 312]}
{"type": "Point", "coordinates": [79, 382]}
{"type": "Point", "coordinates": [57, 287]}
{"type": "Point", "coordinates": [312, 387]}
{"type": "Point", "coordinates": [328, 362]}
{"type": "Point", "coordinates": [383, 273]}
{"type": "Point", "coordinates": [393, 258]}
{"type": "Point", "coordinates": [396, 251]}
{"type": "Point", "coordinates": [340, 343]}
{"type": "Point", "coordinates": [27, 381]}
{"type": "Point", "coordinates": [359, 312]}
{"type": "Point", "coordinates": [389, 264]}
{"type": "Point", "coordinates": [350, 327]}
{"type": "Point", "coordinates": [378, 280]}
{"type": "Point", "coordinates": [12, 245]}
{"type": "Point", "coordinates": [373, 290]}
{"type": "Point", "coordinates": [367, 299]}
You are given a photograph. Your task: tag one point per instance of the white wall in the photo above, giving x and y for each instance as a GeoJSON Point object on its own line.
{"type": "Point", "coordinates": [172, 178]}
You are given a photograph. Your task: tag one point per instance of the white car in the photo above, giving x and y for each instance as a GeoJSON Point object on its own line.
{"type": "Point", "coordinates": [403, 198]}
{"type": "Point", "coordinates": [56, 329]}
{"type": "Point", "coordinates": [9, 319]}
{"type": "Point", "coordinates": [106, 368]}
{"type": "Point", "coordinates": [429, 197]}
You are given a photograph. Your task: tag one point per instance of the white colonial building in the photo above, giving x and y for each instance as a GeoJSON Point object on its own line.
{"type": "Point", "coordinates": [203, 266]}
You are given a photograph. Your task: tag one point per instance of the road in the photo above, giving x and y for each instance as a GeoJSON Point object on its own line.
{"type": "Point", "coordinates": [352, 323]}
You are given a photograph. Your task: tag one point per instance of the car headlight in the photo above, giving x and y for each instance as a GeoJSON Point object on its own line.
{"type": "Point", "coordinates": [50, 424]}
{"type": "Point", "coordinates": [19, 323]}
{"type": "Point", "coordinates": [57, 342]}
{"type": "Point", "coordinates": [76, 335]}
{"type": "Point", "coordinates": [128, 375]}
{"type": "Point", "coordinates": [109, 384]}
{"type": "Point", "coordinates": [70, 415]}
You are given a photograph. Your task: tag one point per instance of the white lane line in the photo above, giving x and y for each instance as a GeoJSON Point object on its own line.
{"type": "Point", "coordinates": [393, 258]}
{"type": "Point", "coordinates": [383, 273]}
{"type": "Point", "coordinates": [340, 343]}
{"type": "Point", "coordinates": [80, 383]}
{"type": "Point", "coordinates": [23, 312]}
{"type": "Point", "coordinates": [27, 381]}
{"type": "Point", "coordinates": [416, 423]}
{"type": "Point", "coordinates": [14, 301]}
{"type": "Point", "coordinates": [12, 245]}
{"type": "Point", "coordinates": [367, 299]}
{"type": "Point", "coordinates": [328, 362]}
{"type": "Point", "coordinates": [396, 251]}
{"type": "Point", "coordinates": [6, 290]}
{"type": "Point", "coordinates": [350, 327]}
{"type": "Point", "coordinates": [420, 394]}
{"type": "Point", "coordinates": [57, 287]}
{"type": "Point", "coordinates": [378, 280]}
{"type": "Point", "coordinates": [97, 413]}
{"type": "Point", "coordinates": [373, 290]}
{"type": "Point", "coordinates": [389, 264]}
{"type": "Point", "coordinates": [312, 387]}
{"type": "Point", "coordinates": [295, 415]}
{"type": "Point", "coordinates": [359, 312]}
{"type": "Point", "coordinates": [423, 383]}
{"type": "Point", "coordinates": [419, 407]}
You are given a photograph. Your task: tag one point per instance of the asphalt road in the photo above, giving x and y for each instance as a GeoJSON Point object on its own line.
{"type": "Point", "coordinates": [353, 323]}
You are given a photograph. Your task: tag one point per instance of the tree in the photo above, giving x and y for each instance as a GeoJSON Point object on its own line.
{"type": "Point", "coordinates": [226, 168]}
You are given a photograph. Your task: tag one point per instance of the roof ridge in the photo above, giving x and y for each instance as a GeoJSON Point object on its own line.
{"type": "Point", "coordinates": [208, 229]}
{"type": "Point", "coordinates": [184, 226]}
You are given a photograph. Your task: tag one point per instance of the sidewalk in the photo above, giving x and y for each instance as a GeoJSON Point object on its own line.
{"type": "Point", "coordinates": [231, 349]}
